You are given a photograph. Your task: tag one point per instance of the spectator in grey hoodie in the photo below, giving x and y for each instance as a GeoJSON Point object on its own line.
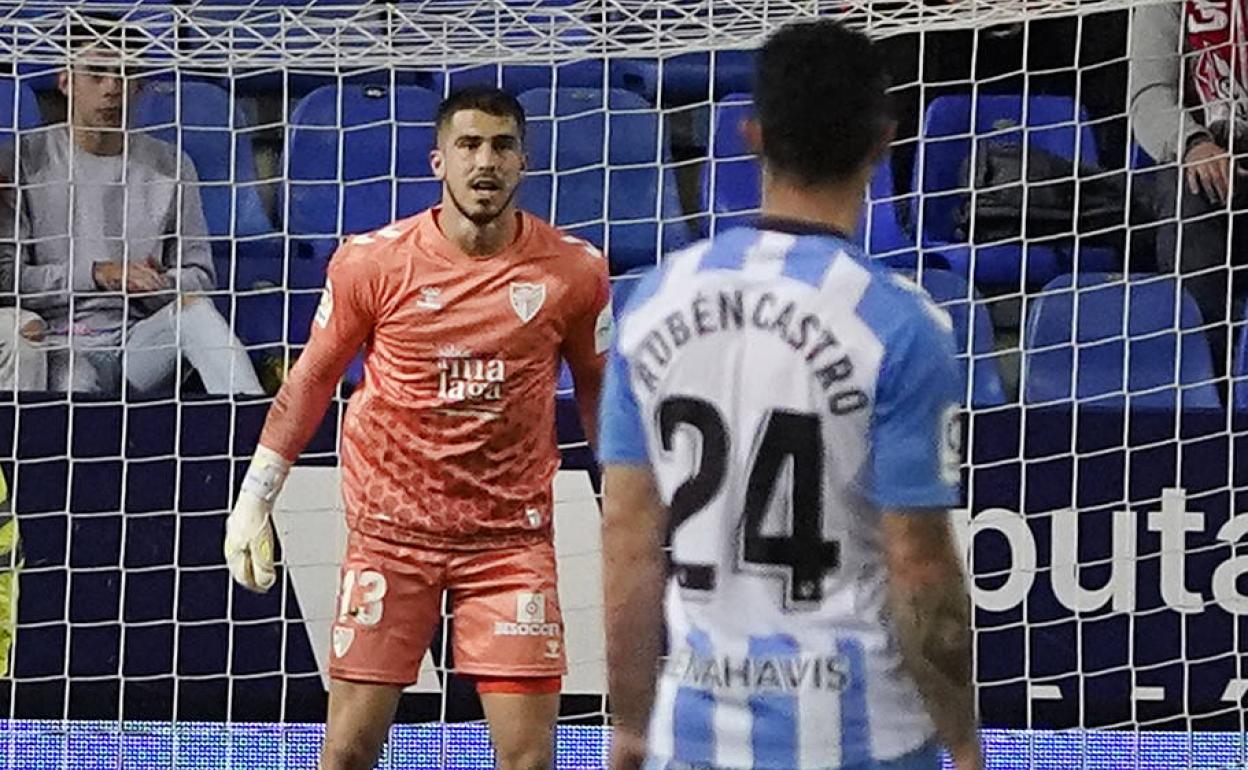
{"type": "Point", "coordinates": [1188, 103]}
{"type": "Point", "coordinates": [111, 247]}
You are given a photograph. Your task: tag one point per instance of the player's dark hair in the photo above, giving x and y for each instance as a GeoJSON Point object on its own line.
{"type": "Point", "coordinates": [491, 101]}
{"type": "Point", "coordinates": [821, 100]}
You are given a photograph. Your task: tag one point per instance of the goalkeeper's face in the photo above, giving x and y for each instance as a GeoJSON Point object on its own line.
{"type": "Point", "coordinates": [480, 160]}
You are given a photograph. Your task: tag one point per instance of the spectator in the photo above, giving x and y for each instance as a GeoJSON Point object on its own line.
{"type": "Point", "coordinates": [1187, 104]}
{"type": "Point", "coordinates": [111, 244]}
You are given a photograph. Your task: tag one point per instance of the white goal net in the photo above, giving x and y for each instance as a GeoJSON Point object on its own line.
{"type": "Point", "coordinates": [1033, 189]}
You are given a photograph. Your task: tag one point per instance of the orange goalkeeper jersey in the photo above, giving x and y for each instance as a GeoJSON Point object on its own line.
{"type": "Point", "coordinates": [450, 440]}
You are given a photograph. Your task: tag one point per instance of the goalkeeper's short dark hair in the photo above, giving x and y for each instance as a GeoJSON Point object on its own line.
{"type": "Point", "coordinates": [821, 101]}
{"type": "Point", "coordinates": [491, 101]}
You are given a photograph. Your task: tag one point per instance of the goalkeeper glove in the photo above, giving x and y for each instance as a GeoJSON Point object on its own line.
{"type": "Point", "coordinates": [248, 532]}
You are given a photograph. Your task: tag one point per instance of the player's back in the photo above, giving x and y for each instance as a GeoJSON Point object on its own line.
{"type": "Point", "coordinates": [760, 362]}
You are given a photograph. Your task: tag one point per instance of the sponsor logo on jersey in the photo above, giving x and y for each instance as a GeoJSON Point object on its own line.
{"type": "Point", "coordinates": [604, 328]}
{"type": "Point", "coordinates": [464, 379]}
{"type": "Point", "coordinates": [533, 516]}
{"type": "Point", "coordinates": [527, 299]}
{"type": "Point", "coordinates": [788, 673]}
{"type": "Point", "coordinates": [951, 445]}
{"type": "Point", "coordinates": [430, 298]}
{"type": "Point", "coordinates": [530, 618]}
{"type": "Point", "coordinates": [326, 308]}
{"type": "Point", "coordinates": [503, 628]}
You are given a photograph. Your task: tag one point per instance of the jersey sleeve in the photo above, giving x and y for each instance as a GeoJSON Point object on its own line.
{"type": "Point", "coordinates": [589, 324]}
{"type": "Point", "coordinates": [344, 320]}
{"type": "Point", "coordinates": [622, 436]}
{"type": "Point", "coordinates": [915, 434]}
{"type": "Point", "coordinates": [347, 311]}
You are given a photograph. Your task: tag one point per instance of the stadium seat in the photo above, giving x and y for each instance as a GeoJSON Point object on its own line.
{"type": "Point", "coordinates": [879, 228]}
{"type": "Point", "coordinates": [518, 78]}
{"type": "Point", "coordinates": [1239, 364]}
{"type": "Point", "coordinates": [27, 104]}
{"type": "Point", "coordinates": [1160, 360]}
{"type": "Point", "coordinates": [200, 118]}
{"type": "Point", "coordinates": [688, 78]}
{"type": "Point", "coordinates": [344, 163]}
{"type": "Point", "coordinates": [536, 23]}
{"type": "Point", "coordinates": [972, 330]}
{"type": "Point", "coordinates": [622, 288]}
{"type": "Point", "coordinates": [731, 192]}
{"type": "Point", "coordinates": [348, 174]}
{"type": "Point", "coordinates": [247, 250]}
{"type": "Point", "coordinates": [636, 192]}
{"type": "Point", "coordinates": [731, 183]}
{"type": "Point", "coordinates": [944, 151]}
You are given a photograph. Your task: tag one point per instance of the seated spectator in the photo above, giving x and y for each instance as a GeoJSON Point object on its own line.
{"type": "Point", "coordinates": [1188, 104]}
{"type": "Point", "coordinates": [23, 363]}
{"type": "Point", "coordinates": [111, 247]}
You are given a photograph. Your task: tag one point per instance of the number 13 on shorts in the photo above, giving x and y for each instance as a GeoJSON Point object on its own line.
{"type": "Point", "coordinates": [360, 598]}
{"type": "Point", "coordinates": [366, 608]}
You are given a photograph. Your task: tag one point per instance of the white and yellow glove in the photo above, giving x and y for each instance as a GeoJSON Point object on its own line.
{"type": "Point", "coordinates": [248, 533]}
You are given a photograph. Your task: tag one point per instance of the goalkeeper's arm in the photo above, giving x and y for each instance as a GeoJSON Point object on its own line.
{"type": "Point", "coordinates": [343, 322]}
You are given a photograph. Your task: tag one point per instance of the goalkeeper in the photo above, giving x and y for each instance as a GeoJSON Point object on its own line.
{"type": "Point", "coordinates": [448, 448]}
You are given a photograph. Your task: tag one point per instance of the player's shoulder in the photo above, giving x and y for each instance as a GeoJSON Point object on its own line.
{"type": "Point", "coordinates": [899, 310]}
{"type": "Point", "coordinates": [378, 248]}
{"type": "Point", "coordinates": [568, 250]}
{"type": "Point", "coordinates": [645, 285]}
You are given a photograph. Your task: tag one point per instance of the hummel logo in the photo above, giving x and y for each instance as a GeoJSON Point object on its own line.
{"type": "Point", "coordinates": [429, 298]}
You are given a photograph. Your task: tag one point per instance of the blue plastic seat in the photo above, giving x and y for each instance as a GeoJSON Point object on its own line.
{"type": "Point", "coordinates": [624, 199]}
{"type": "Point", "coordinates": [534, 24]}
{"type": "Point", "coordinates": [972, 330]}
{"type": "Point", "coordinates": [200, 118]}
{"type": "Point", "coordinates": [518, 78]}
{"type": "Point", "coordinates": [1055, 124]}
{"type": "Point", "coordinates": [1239, 366]}
{"type": "Point", "coordinates": [732, 193]}
{"type": "Point", "coordinates": [731, 181]}
{"type": "Point", "coordinates": [1137, 335]}
{"type": "Point", "coordinates": [357, 158]}
{"type": "Point", "coordinates": [19, 108]}
{"type": "Point", "coordinates": [345, 165]}
{"type": "Point", "coordinates": [879, 228]}
{"type": "Point", "coordinates": [689, 78]}
{"type": "Point", "coordinates": [622, 288]}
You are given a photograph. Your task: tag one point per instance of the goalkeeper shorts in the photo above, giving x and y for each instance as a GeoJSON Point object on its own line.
{"type": "Point", "coordinates": [503, 601]}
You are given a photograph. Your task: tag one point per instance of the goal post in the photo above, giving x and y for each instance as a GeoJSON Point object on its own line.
{"type": "Point", "coordinates": [1103, 427]}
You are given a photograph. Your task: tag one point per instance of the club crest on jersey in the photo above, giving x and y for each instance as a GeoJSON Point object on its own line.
{"type": "Point", "coordinates": [527, 299]}
{"type": "Point", "coordinates": [343, 637]}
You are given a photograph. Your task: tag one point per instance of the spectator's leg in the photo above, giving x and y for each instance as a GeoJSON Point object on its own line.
{"type": "Point", "coordinates": [93, 371]}
{"type": "Point", "coordinates": [23, 364]}
{"type": "Point", "coordinates": [152, 349]}
{"type": "Point", "coordinates": [1198, 246]}
{"type": "Point", "coordinates": [152, 352]}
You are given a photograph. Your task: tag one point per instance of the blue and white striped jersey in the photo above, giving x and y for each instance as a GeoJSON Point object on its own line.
{"type": "Point", "coordinates": [784, 390]}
